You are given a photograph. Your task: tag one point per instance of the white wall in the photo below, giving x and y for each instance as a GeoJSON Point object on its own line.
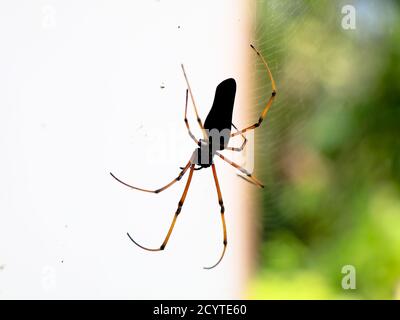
{"type": "Point", "coordinates": [80, 95]}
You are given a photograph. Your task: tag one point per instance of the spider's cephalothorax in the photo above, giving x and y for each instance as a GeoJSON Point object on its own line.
{"type": "Point", "coordinates": [216, 135]}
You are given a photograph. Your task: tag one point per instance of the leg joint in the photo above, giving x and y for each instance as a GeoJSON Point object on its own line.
{"type": "Point", "coordinates": [180, 175]}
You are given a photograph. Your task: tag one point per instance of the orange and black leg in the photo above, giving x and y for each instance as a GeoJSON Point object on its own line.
{"type": "Point", "coordinates": [187, 122]}
{"type": "Point", "coordinates": [243, 144]}
{"type": "Point", "coordinates": [199, 121]}
{"type": "Point", "coordinates": [177, 212]}
{"type": "Point", "coordinates": [221, 204]}
{"type": "Point", "coordinates": [248, 176]}
{"type": "Point", "coordinates": [179, 177]}
{"type": "Point", "coordinates": [269, 103]}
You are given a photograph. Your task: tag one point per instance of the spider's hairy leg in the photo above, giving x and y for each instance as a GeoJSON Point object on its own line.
{"type": "Point", "coordinates": [187, 122]}
{"type": "Point", "coordinates": [177, 212]}
{"type": "Point", "coordinates": [243, 144]}
{"type": "Point", "coordinates": [179, 177]}
{"type": "Point", "coordinates": [199, 121]}
{"type": "Point", "coordinates": [221, 204]}
{"type": "Point", "coordinates": [248, 175]}
{"type": "Point", "coordinates": [246, 179]}
{"type": "Point", "coordinates": [270, 101]}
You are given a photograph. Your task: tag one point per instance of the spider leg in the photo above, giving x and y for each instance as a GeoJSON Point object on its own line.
{"type": "Point", "coordinates": [246, 179]}
{"type": "Point", "coordinates": [239, 150]}
{"type": "Point", "coordinates": [199, 121]}
{"type": "Point", "coordinates": [177, 212]}
{"type": "Point", "coordinates": [221, 204]}
{"type": "Point", "coordinates": [242, 170]}
{"type": "Point", "coordinates": [195, 169]}
{"type": "Point", "coordinates": [187, 122]}
{"type": "Point", "coordinates": [243, 144]}
{"type": "Point", "coordinates": [270, 101]}
{"type": "Point", "coordinates": [179, 177]}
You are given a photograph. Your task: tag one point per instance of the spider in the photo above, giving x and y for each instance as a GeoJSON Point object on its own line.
{"type": "Point", "coordinates": [216, 134]}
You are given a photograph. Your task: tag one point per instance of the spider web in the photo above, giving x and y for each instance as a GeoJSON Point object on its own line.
{"type": "Point", "coordinates": [278, 25]}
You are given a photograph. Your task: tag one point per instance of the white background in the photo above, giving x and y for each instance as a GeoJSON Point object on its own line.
{"type": "Point", "coordinates": [80, 95]}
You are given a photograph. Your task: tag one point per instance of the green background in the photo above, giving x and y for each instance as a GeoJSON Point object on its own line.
{"type": "Point", "coordinates": [328, 151]}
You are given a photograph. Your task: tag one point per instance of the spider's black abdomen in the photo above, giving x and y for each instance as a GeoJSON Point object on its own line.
{"type": "Point", "coordinates": [220, 115]}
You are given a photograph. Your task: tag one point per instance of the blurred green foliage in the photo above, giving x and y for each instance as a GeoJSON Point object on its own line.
{"type": "Point", "coordinates": [329, 151]}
